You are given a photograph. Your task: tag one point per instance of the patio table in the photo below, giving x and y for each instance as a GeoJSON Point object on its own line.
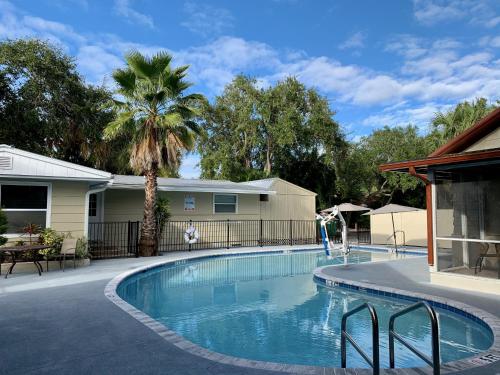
{"type": "Point", "coordinates": [31, 251]}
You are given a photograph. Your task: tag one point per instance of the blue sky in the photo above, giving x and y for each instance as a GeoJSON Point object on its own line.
{"type": "Point", "coordinates": [379, 63]}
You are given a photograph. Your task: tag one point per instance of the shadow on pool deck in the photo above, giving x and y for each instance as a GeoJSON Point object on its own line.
{"type": "Point", "coordinates": [61, 323]}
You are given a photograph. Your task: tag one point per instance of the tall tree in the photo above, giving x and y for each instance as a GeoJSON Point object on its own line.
{"type": "Point", "coordinates": [256, 133]}
{"type": "Point", "coordinates": [47, 108]}
{"type": "Point", "coordinates": [153, 110]}
{"type": "Point", "coordinates": [360, 178]}
{"type": "Point", "coordinates": [447, 125]}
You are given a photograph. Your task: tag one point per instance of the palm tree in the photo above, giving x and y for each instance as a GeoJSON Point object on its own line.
{"type": "Point", "coordinates": [450, 124]}
{"type": "Point", "coordinates": [153, 111]}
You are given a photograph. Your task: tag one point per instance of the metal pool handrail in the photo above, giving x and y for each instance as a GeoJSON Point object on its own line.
{"type": "Point", "coordinates": [434, 361]}
{"type": "Point", "coordinates": [375, 361]}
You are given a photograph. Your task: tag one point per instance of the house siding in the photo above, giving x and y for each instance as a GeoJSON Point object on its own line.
{"type": "Point", "coordinates": [68, 207]}
{"type": "Point", "coordinates": [491, 141]}
{"type": "Point", "coordinates": [124, 205]}
{"type": "Point", "coordinates": [413, 224]}
{"type": "Point", "coordinates": [290, 202]}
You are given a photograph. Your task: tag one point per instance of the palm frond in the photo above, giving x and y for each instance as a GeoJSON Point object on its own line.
{"type": "Point", "coordinates": [161, 61]}
{"type": "Point", "coordinates": [192, 98]}
{"type": "Point", "coordinates": [141, 66]}
{"type": "Point", "coordinates": [193, 126]}
{"type": "Point", "coordinates": [125, 78]}
{"type": "Point", "coordinates": [118, 125]}
{"type": "Point", "coordinates": [170, 120]}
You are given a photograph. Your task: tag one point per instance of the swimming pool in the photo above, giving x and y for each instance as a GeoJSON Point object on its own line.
{"type": "Point", "coordinates": [267, 307]}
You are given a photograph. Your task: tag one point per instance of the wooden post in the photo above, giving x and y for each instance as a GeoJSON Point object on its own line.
{"type": "Point", "coordinates": [430, 237]}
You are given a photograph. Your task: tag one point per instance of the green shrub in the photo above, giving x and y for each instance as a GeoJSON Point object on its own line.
{"type": "Point", "coordinates": [3, 227]}
{"type": "Point", "coordinates": [50, 237]}
{"type": "Point", "coordinates": [82, 248]}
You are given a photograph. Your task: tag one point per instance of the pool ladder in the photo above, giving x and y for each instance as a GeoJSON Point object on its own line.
{"type": "Point", "coordinates": [375, 361]}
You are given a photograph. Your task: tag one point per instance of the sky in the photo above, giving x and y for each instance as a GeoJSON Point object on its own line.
{"type": "Point", "coordinates": [391, 62]}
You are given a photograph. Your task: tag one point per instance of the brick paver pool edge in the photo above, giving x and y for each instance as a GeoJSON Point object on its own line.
{"type": "Point", "coordinates": [172, 337]}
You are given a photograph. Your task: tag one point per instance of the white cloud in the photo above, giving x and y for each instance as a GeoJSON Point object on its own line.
{"type": "Point", "coordinates": [124, 9]}
{"type": "Point", "coordinates": [206, 20]}
{"type": "Point", "coordinates": [406, 45]}
{"type": "Point", "coordinates": [396, 116]}
{"type": "Point", "coordinates": [49, 28]}
{"type": "Point", "coordinates": [95, 61]}
{"type": "Point", "coordinates": [190, 166]}
{"type": "Point", "coordinates": [493, 22]}
{"type": "Point", "coordinates": [478, 12]}
{"type": "Point", "coordinates": [356, 40]}
{"type": "Point", "coordinates": [431, 12]}
{"type": "Point", "coordinates": [490, 41]}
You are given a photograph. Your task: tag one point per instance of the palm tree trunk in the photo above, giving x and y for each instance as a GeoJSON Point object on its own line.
{"type": "Point", "coordinates": [147, 243]}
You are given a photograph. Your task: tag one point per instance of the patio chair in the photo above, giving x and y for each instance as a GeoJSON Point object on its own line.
{"type": "Point", "coordinates": [484, 254]}
{"type": "Point", "coordinates": [68, 250]}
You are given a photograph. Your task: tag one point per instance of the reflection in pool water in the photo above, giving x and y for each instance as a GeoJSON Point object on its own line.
{"type": "Point", "coordinates": [268, 308]}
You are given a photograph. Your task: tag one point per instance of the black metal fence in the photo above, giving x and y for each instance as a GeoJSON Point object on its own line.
{"type": "Point", "coordinates": [121, 239]}
{"type": "Point", "coordinates": [114, 239]}
{"type": "Point", "coordinates": [355, 236]}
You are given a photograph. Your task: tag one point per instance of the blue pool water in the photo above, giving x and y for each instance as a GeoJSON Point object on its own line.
{"type": "Point", "coordinates": [268, 308]}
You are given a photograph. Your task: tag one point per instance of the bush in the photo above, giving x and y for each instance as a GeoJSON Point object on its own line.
{"type": "Point", "coordinates": [81, 248]}
{"type": "Point", "coordinates": [50, 237]}
{"type": "Point", "coordinates": [3, 227]}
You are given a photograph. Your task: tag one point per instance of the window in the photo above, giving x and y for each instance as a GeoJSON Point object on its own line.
{"type": "Point", "coordinates": [264, 198]}
{"type": "Point", "coordinates": [467, 221]}
{"type": "Point", "coordinates": [93, 205]}
{"type": "Point", "coordinates": [24, 204]}
{"type": "Point", "coordinates": [225, 203]}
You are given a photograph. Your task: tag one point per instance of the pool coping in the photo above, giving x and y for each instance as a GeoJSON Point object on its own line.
{"type": "Point", "coordinates": [180, 342]}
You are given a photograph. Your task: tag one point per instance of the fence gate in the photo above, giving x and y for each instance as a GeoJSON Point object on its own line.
{"type": "Point", "coordinates": [114, 239]}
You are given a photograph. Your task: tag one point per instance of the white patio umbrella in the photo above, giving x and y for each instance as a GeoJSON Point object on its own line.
{"type": "Point", "coordinates": [348, 207]}
{"type": "Point", "coordinates": [392, 209]}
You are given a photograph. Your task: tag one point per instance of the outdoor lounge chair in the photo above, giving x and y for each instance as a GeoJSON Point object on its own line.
{"type": "Point", "coordinates": [484, 254]}
{"type": "Point", "coordinates": [68, 250]}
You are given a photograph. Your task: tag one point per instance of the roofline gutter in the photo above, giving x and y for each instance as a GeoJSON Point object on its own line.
{"type": "Point", "coordinates": [195, 190]}
{"type": "Point", "coordinates": [54, 178]}
{"type": "Point", "coordinates": [465, 157]}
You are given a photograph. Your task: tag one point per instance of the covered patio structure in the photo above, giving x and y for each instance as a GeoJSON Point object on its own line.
{"type": "Point", "coordinates": [463, 206]}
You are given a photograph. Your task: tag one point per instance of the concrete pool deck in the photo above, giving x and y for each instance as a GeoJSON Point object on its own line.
{"type": "Point", "coordinates": [62, 323]}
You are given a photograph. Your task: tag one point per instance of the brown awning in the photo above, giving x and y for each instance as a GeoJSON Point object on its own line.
{"type": "Point", "coordinates": [421, 165]}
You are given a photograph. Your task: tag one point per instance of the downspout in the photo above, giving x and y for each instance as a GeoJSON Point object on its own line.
{"type": "Point", "coordinates": [97, 189]}
{"type": "Point", "coordinates": [428, 204]}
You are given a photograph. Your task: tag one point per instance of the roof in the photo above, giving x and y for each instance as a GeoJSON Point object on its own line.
{"type": "Point", "coordinates": [190, 185]}
{"type": "Point", "coordinates": [454, 151]}
{"type": "Point", "coordinates": [421, 165]}
{"type": "Point", "coordinates": [269, 183]}
{"type": "Point", "coordinates": [16, 163]}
